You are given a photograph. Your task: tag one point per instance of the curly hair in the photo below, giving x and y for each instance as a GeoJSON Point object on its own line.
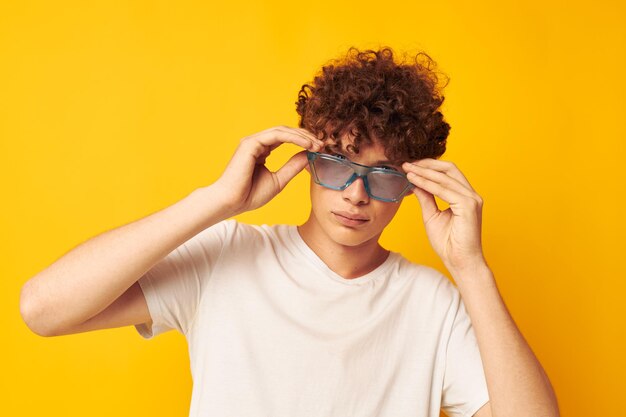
{"type": "Point", "coordinates": [371, 97]}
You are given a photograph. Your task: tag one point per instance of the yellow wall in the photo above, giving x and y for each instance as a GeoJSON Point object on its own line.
{"type": "Point", "coordinates": [111, 110]}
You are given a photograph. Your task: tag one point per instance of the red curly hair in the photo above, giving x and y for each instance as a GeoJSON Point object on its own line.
{"type": "Point", "coordinates": [371, 97]}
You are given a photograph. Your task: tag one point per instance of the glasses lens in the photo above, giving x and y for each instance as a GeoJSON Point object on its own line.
{"type": "Point", "coordinates": [331, 172]}
{"type": "Point", "coordinates": [387, 185]}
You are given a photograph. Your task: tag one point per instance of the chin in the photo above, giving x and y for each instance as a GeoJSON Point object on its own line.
{"type": "Point", "coordinates": [353, 238]}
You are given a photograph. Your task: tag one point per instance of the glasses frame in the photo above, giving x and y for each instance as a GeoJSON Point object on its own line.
{"type": "Point", "coordinates": [359, 171]}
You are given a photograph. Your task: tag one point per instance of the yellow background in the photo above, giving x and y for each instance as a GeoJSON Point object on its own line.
{"type": "Point", "coordinates": [111, 110]}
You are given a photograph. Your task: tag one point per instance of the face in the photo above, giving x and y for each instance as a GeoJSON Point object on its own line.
{"type": "Point", "coordinates": [350, 217]}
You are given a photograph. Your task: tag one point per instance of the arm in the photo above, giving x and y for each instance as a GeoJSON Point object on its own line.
{"type": "Point", "coordinates": [517, 384]}
{"type": "Point", "coordinates": [94, 285]}
{"type": "Point", "coordinates": [515, 378]}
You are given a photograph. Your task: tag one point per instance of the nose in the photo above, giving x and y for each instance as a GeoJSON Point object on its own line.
{"type": "Point", "coordinates": [356, 193]}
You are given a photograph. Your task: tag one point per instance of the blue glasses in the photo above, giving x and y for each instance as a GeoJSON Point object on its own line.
{"type": "Point", "coordinates": [337, 173]}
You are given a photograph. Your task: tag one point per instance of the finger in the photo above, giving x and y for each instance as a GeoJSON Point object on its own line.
{"type": "Point", "coordinates": [446, 194]}
{"type": "Point", "coordinates": [446, 167]}
{"type": "Point", "coordinates": [441, 178]}
{"type": "Point", "coordinates": [258, 147]}
{"type": "Point", "coordinates": [284, 134]}
{"type": "Point", "coordinates": [253, 150]}
{"type": "Point", "coordinates": [291, 168]}
{"type": "Point", "coordinates": [453, 198]}
{"type": "Point", "coordinates": [427, 203]}
{"type": "Point", "coordinates": [260, 160]}
{"type": "Point", "coordinates": [307, 133]}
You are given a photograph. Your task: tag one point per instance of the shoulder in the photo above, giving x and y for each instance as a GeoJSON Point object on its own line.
{"type": "Point", "coordinates": [227, 229]}
{"type": "Point", "coordinates": [232, 232]}
{"type": "Point", "coordinates": [429, 283]}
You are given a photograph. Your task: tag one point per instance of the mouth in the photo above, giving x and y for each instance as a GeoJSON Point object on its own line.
{"type": "Point", "coordinates": [350, 219]}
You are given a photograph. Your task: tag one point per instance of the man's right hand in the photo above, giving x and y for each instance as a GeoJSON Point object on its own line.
{"type": "Point", "coordinates": [94, 286]}
{"type": "Point", "coordinates": [246, 183]}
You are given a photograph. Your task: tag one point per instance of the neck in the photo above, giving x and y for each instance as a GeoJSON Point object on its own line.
{"type": "Point", "coordinates": [347, 261]}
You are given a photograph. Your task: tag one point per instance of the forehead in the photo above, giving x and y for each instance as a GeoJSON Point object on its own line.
{"type": "Point", "coordinates": [368, 154]}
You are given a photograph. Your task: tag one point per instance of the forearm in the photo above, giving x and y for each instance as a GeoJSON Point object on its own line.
{"type": "Point", "coordinates": [517, 384]}
{"type": "Point", "coordinates": [91, 276]}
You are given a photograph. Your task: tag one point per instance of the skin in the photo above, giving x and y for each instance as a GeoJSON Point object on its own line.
{"type": "Point", "coordinates": [516, 382]}
{"type": "Point", "coordinates": [94, 286]}
{"type": "Point", "coordinates": [350, 251]}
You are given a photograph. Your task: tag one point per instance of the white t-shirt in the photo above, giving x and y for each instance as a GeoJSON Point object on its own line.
{"type": "Point", "coordinates": [273, 332]}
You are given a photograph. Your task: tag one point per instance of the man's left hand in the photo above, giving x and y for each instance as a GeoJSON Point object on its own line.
{"type": "Point", "coordinates": [454, 233]}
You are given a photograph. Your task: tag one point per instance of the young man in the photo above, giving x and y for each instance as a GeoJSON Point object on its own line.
{"type": "Point", "coordinates": [320, 319]}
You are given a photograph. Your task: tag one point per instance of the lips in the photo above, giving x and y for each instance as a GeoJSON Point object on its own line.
{"type": "Point", "coordinates": [350, 219]}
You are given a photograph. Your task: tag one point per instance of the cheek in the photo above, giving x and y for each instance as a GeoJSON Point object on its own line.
{"type": "Point", "coordinates": [319, 195]}
{"type": "Point", "coordinates": [387, 212]}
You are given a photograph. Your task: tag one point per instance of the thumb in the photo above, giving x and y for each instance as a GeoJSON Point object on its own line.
{"type": "Point", "coordinates": [291, 168]}
{"type": "Point", "coordinates": [427, 203]}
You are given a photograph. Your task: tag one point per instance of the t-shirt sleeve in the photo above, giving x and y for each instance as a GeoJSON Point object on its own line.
{"type": "Point", "coordinates": [464, 388]}
{"type": "Point", "coordinates": [173, 287]}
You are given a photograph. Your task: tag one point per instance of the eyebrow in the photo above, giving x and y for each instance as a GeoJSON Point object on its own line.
{"type": "Point", "coordinates": [348, 154]}
{"type": "Point", "coordinates": [383, 162]}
